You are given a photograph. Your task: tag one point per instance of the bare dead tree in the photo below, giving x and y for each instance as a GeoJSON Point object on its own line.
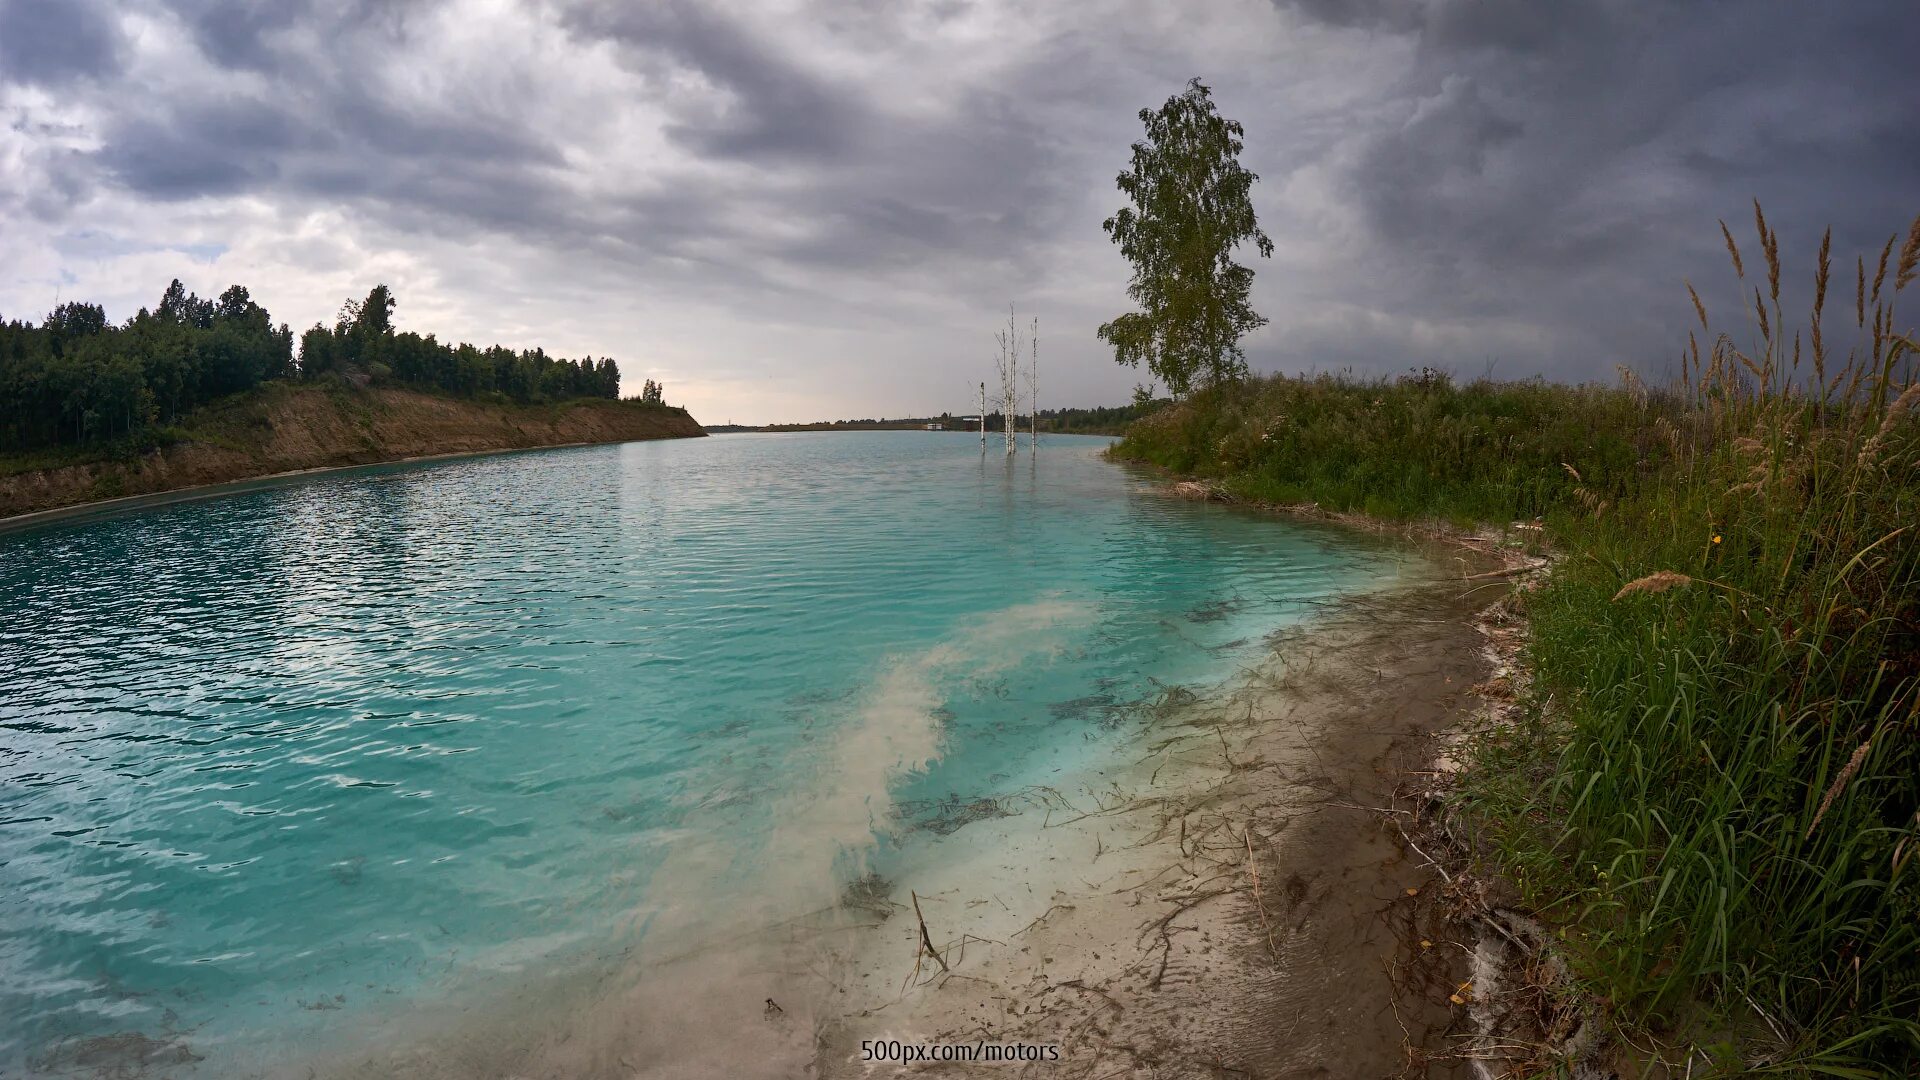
{"type": "Point", "coordinates": [1007, 361]}
{"type": "Point", "coordinates": [1033, 386]}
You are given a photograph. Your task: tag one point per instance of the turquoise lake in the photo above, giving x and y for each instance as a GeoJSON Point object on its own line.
{"type": "Point", "coordinates": [273, 762]}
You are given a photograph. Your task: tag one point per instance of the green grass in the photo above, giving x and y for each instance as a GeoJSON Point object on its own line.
{"type": "Point", "coordinates": [1415, 447]}
{"type": "Point", "coordinates": [1716, 786]}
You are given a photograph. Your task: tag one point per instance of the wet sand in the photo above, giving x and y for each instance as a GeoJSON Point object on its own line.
{"type": "Point", "coordinates": [1230, 907]}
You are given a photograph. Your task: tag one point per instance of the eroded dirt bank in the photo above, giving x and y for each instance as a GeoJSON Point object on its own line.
{"type": "Point", "coordinates": [292, 428]}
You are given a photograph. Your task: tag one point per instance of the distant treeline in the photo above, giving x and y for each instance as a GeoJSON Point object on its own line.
{"type": "Point", "coordinates": [76, 378]}
{"type": "Point", "coordinates": [1101, 420]}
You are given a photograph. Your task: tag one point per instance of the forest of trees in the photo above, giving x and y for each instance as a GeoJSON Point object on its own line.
{"type": "Point", "coordinates": [76, 378]}
{"type": "Point", "coordinates": [1099, 420]}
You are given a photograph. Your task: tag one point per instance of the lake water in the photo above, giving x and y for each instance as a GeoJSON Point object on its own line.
{"type": "Point", "coordinates": [275, 764]}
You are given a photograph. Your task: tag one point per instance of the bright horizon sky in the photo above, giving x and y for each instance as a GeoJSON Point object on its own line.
{"type": "Point", "coordinates": [800, 211]}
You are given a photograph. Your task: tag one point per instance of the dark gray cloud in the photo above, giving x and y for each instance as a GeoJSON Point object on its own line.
{"type": "Point", "coordinates": [841, 184]}
{"type": "Point", "coordinates": [55, 43]}
{"type": "Point", "coordinates": [204, 149]}
{"type": "Point", "coordinates": [1566, 162]}
{"type": "Point", "coordinates": [241, 33]}
{"type": "Point", "coordinates": [772, 108]}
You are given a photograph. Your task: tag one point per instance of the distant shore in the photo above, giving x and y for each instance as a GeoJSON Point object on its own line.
{"type": "Point", "coordinates": [289, 431]}
{"type": "Point", "coordinates": [1096, 420]}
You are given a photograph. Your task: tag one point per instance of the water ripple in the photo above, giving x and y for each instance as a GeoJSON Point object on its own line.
{"type": "Point", "coordinates": [363, 733]}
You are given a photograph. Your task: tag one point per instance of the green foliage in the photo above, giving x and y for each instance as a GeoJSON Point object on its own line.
{"type": "Point", "coordinates": [363, 343]}
{"type": "Point", "coordinates": [78, 380]}
{"type": "Point", "coordinates": [1415, 447]}
{"type": "Point", "coordinates": [1716, 785]}
{"type": "Point", "coordinates": [1731, 798]}
{"type": "Point", "coordinates": [1099, 420]}
{"type": "Point", "coordinates": [1191, 207]}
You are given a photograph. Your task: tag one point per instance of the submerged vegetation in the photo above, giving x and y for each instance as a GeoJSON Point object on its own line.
{"type": "Point", "coordinates": [77, 380]}
{"type": "Point", "coordinates": [1716, 788]}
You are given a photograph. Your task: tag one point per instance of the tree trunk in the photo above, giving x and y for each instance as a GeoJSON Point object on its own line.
{"type": "Point", "coordinates": [1033, 388]}
{"type": "Point", "coordinates": [1010, 380]}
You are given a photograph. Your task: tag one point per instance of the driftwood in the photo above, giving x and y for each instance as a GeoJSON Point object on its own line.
{"type": "Point", "coordinates": [1509, 571]}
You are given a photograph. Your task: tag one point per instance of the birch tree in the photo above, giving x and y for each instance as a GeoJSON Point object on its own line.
{"type": "Point", "coordinates": [1033, 386]}
{"type": "Point", "coordinates": [1190, 207]}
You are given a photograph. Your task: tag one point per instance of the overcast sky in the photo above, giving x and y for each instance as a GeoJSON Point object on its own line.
{"type": "Point", "coordinates": [800, 210]}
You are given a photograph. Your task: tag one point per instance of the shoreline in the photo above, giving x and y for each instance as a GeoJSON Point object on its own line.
{"type": "Point", "coordinates": [1523, 1003]}
{"type": "Point", "coordinates": [1044, 905]}
{"type": "Point", "coordinates": [113, 507]}
{"type": "Point", "coordinates": [1231, 899]}
{"type": "Point", "coordinates": [1216, 893]}
{"type": "Point", "coordinates": [1221, 905]}
{"type": "Point", "coordinates": [281, 430]}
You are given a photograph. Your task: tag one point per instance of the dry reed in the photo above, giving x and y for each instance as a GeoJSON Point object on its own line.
{"type": "Point", "coordinates": [1840, 784]}
{"type": "Point", "coordinates": [1656, 582]}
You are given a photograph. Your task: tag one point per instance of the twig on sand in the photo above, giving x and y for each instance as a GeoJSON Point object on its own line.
{"type": "Point", "coordinates": [1253, 868]}
{"type": "Point", "coordinates": [1223, 747]}
{"type": "Point", "coordinates": [1162, 927]}
{"type": "Point", "coordinates": [1415, 848]}
{"type": "Point", "coordinates": [1077, 984]}
{"type": "Point", "coordinates": [1042, 918]}
{"type": "Point", "coordinates": [1393, 999]}
{"type": "Point", "coordinates": [926, 941]}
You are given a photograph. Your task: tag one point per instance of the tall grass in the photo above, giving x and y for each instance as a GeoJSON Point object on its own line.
{"type": "Point", "coordinates": [1718, 790]}
{"type": "Point", "coordinates": [1413, 447]}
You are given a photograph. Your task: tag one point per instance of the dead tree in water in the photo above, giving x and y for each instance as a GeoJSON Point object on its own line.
{"type": "Point", "coordinates": [983, 417]}
{"type": "Point", "coordinates": [1033, 387]}
{"type": "Point", "coordinates": [1008, 363]}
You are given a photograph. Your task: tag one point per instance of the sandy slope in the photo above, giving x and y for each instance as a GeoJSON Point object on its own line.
{"type": "Point", "coordinates": [290, 428]}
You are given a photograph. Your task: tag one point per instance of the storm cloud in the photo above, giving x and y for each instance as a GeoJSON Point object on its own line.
{"type": "Point", "coordinates": [817, 209]}
{"type": "Point", "coordinates": [55, 44]}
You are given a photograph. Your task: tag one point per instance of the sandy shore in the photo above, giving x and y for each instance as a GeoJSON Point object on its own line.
{"type": "Point", "coordinates": [1230, 905]}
